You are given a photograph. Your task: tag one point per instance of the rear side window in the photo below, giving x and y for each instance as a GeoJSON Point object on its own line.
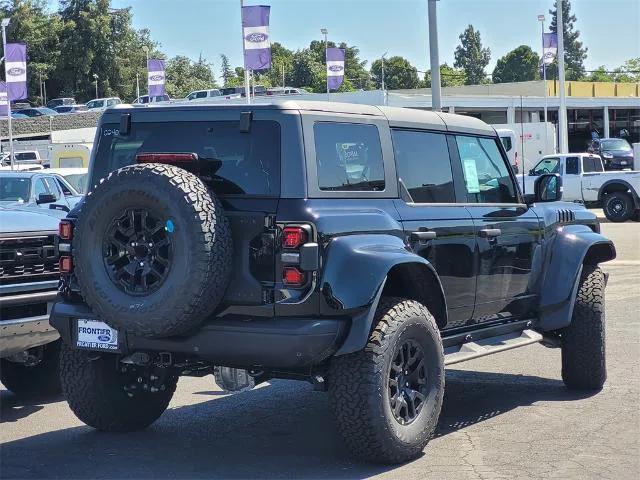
{"type": "Point", "coordinates": [422, 161]}
{"type": "Point", "coordinates": [230, 162]}
{"type": "Point", "coordinates": [201, 94]}
{"type": "Point", "coordinates": [506, 142]}
{"type": "Point", "coordinates": [571, 165]}
{"type": "Point", "coordinates": [591, 164]}
{"type": "Point", "coordinates": [349, 157]}
{"type": "Point", "coordinates": [486, 173]}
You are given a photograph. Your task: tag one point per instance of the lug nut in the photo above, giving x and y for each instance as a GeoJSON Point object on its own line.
{"type": "Point", "coordinates": [139, 379]}
{"type": "Point", "coordinates": [142, 264]}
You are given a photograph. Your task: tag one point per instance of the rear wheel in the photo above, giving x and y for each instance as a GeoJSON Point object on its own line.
{"type": "Point", "coordinates": [583, 341]}
{"type": "Point", "coordinates": [387, 397]}
{"type": "Point", "coordinates": [39, 378]}
{"type": "Point", "coordinates": [618, 207]}
{"type": "Point", "coordinates": [111, 396]}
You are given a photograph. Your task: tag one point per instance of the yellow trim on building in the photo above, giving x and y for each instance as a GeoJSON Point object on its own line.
{"type": "Point", "coordinates": [594, 89]}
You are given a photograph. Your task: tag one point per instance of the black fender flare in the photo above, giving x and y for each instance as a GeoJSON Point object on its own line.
{"type": "Point", "coordinates": [634, 194]}
{"type": "Point", "coordinates": [567, 251]}
{"type": "Point", "coordinates": [353, 279]}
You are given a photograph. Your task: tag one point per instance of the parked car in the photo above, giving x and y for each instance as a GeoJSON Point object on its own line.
{"type": "Point", "coordinates": [103, 103]}
{"type": "Point", "coordinates": [37, 189]}
{"type": "Point", "coordinates": [359, 248]}
{"type": "Point", "coordinates": [18, 115]}
{"type": "Point", "coordinates": [37, 111]}
{"type": "Point", "coordinates": [285, 91]}
{"type": "Point", "coordinates": [616, 153]}
{"type": "Point", "coordinates": [58, 102]}
{"type": "Point", "coordinates": [202, 95]}
{"type": "Point", "coordinates": [145, 99]}
{"type": "Point", "coordinates": [29, 345]}
{"type": "Point", "coordinates": [25, 157]}
{"type": "Point", "coordinates": [76, 177]}
{"type": "Point", "coordinates": [71, 108]}
{"type": "Point", "coordinates": [585, 180]}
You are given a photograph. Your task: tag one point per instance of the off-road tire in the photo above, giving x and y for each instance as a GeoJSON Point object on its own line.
{"type": "Point", "coordinates": [359, 390]}
{"type": "Point", "coordinates": [91, 383]}
{"type": "Point", "coordinates": [37, 381]}
{"type": "Point", "coordinates": [200, 242]}
{"type": "Point", "coordinates": [583, 341]}
{"type": "Point", "coordinates": [621, 199]}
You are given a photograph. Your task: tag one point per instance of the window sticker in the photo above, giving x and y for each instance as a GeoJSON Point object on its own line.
{"type": "Point", "coordinates": [471, 175]}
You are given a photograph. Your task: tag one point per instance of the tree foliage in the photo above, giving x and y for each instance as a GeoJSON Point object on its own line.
{"type": "Point", "coordinates": [398, 73]}
{"type": "Point", "coordinates": [449, 77]}
{"type": "Point", "coordinates": [471, 57]}
{"type": "Point", "coordinates": [519, 65]}
{"type": "Point", "coordinates": [574, 52]}
{"type": "Point", "coordinates": [185, 76]}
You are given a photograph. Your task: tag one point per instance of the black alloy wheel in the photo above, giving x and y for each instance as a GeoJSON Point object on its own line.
{"type": "Point", "coordinates": [407, 382]}
{"type": "Point", "coordinates": [137, 251]}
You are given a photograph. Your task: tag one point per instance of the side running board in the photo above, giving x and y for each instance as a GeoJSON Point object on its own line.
{"type": "Point", "coordinates": [487, 346]}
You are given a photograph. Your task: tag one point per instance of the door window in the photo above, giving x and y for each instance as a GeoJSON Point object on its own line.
{"type": "Point", "coordinates": [349, 157]}
{"type": "Point", "coordinates": [591, 164]}
{"type": "Point", "coordinates": [39, 188]}
{"type": "Point", "coordinates": [424, 167]}
{"type": "Point", "coordinates": [486, 174]}
{"type": "Point", "coordinates": [52, 186]}
{"type": "Point", "coordinates": [572, 165]}
{"type": "Point", "coordinates": [201, 94]}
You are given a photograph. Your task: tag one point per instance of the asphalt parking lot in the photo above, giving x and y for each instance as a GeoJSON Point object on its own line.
{"type": "Point", "coordinates": [505, 416]}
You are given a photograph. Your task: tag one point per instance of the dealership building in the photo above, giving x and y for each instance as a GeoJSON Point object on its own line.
{"type": "Point", "coordinates": [608, 109]}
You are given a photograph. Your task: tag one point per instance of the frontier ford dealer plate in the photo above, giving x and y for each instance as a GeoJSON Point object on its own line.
{"type": "Point", "coordinates": [96, 335]}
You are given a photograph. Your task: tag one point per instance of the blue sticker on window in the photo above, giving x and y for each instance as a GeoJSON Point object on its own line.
{"type": "Point", "coordinates": [168, 226]}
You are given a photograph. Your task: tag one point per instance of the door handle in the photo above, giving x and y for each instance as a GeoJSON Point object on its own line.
{"type": "Point", "coordinates": [490, 232]}
{"type": "Point", "coordinates": [422, 236]}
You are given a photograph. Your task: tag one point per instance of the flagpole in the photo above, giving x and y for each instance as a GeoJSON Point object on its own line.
{"type": "Point", "coordinates": [5, 22]}
{"type": "Point", "coordinates": [562, 112]}
{"type": "Point", "coordinates": [544, 77]}
{"type": "Point", "coordinates": [247, 93]}
{"type": "Point", "coordinates": [324, 31]}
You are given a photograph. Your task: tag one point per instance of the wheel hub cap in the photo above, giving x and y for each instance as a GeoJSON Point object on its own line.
{"type": "Point", "coordinates": [408, 382]}
{"type": "Point", "coordinates": [137, 252]}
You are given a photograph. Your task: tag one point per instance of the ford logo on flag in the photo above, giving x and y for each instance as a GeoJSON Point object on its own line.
{"type": "Point", "coordinates": [104, 338]}
{"type": "Point", "coordinates": [156, 78]}
{"type": "Point", "coordinates": [336, 68]}
{"type": "Point", "coordinates": [16, 71]}
{"type": "Point", "coordinates": [256, 37]}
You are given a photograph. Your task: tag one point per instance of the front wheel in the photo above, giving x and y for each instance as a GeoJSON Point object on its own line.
{"type": "Point", "coordinates": [618, 207]}
{"type": "Point", "coordinates": [38, 379]}
{"type": "Point", "coordinates": [387, 398]}
{"type": "Point", "coordinates": [112, 396]}
{"type": "Point", "coordinates": [583, 341]}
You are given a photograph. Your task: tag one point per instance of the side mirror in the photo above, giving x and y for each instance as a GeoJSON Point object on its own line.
{"type": "Point", "coordinates": [46, 198]}
{"type": "Point", "coordinates": [532, 172]}
{"type": "Point", "coordinates": [548, 188]}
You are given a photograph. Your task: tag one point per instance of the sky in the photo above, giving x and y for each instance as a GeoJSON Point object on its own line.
{"type": "Point", "coordinates": [609, 28]}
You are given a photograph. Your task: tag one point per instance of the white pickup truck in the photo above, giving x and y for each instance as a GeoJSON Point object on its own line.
{"type": "Point", "coordinates": [584, 180]}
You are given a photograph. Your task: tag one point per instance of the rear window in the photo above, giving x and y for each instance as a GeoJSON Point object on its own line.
{"type": "Point", "coordinates": [349, 157]}
{"type": "Point", "coordinates": [231, 162]}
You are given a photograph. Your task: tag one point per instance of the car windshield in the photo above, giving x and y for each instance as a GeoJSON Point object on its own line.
{"type": "Point", "coordinates": [14, 189]}
{"type": "Point", "coordinates": [547, 165]}
{"type": "Point", "coordinates": [229, 161]}
{"type": "Point", "coordinates": [615, 144]}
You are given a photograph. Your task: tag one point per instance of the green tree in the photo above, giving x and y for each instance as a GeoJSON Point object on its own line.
{"type": "Point", "coordinates": [226, 73]}
{"type": "Point", "coordinates": [40, 29]}
{"type": "Point", "coordinates": [281, 59]}
{"type": "Point", "coordinates": [471, 57]}
{"type": "Point", "coordinates": [449, 77]}
{"type": "Point", "coordinates": [184, 76]}
{"type": "Point", "coordinates": [398, 73]}
{"type": "Point", "coordinates": [600, 74]}
{"type": "Point", "coordinates": [307, 72]}
{"type": "Point", "coordinates": [519, 65]}
{"type": "Point", "coordinates": [629, 72]}
{"type": "Point", "coordinates": [574, 52]}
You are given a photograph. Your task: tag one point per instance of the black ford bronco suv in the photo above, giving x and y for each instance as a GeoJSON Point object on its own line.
{"type": "Point", "coordinates": [359, 248]}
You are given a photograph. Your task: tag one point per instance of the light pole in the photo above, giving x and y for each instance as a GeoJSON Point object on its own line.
{"type": "Point", "coordinates": [384, 93]}
{"type": "Point", "coordinates": [5, 23]}
{"type": "Point", "coordinates": [95, 79]}
{"type": "Point", "coordinates": [434, 57]}
{"type": "Point", "coordinates": [247, 80]}
{"type": "Point", "coordinates": [325, 32]}
{"type": "Point", "coordinates": [541, 19]}
{"type": "Point", "coordinates": [145, 49]}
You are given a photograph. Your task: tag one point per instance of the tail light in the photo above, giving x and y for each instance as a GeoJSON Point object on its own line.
{"type": "Point", "coordinates": [293, 237]}
{"type": "Point", "coordinates": [65, 230]}
{"type": "Point", "coordinates": [66, 264]}
{"type": "Point", "coordinates": [170, 158]}
{"type": "Point", "coordinates": [292, 277]}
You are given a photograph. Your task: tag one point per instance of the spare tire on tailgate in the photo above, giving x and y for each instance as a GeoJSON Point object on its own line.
{"type": "Point", "coordinates": [152, 250]}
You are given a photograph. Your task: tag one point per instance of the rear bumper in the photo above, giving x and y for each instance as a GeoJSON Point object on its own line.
{"type": "Point", "coordinates": [281, 342]}
{"type": "Point", "coordinates": [24, 333]}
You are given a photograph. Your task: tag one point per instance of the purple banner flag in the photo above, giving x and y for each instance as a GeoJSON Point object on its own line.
{"type": "Point", "coordinates": [255, 31]}
{"type": "Point", "coordinates": [15, 67]}
{"type": "Point", "coordinates": [335, 68]}
{"type": "Point", "coordinates": [4, 110]}
{"type": "Point", "coordinates": [156, 77]}
{"type": "Point", "coordinates": [549, 47]}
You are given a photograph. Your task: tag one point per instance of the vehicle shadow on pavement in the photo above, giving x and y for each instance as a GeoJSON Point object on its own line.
{"type": "Point", "coordinates": [282, 430]}
{"type": "Point", "coordinates": [14, 408]}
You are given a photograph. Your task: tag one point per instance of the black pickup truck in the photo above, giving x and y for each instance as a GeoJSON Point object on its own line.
{"type": "Point", "coordinates": [359, 248]}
